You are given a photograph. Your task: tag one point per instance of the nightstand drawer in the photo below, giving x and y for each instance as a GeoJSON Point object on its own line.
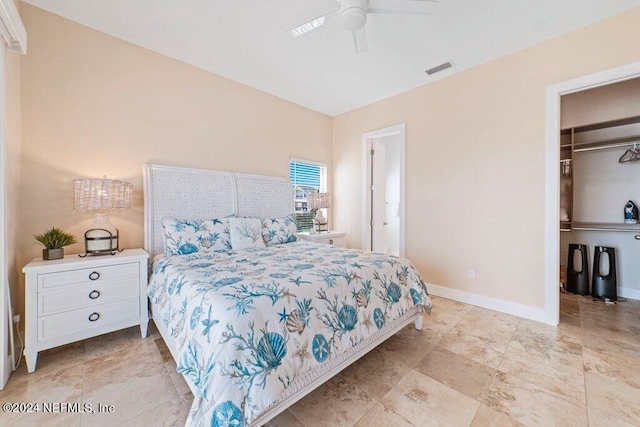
{"type": "Point", "coordinates": [97, 293]}
{"type": "Point", "coordinates": [87, 276]}
{"type": "Point", "coordinates": [84, 320]}
{"type": "Point", "coordinates": [331, 240]}
{"type": "Point", "coordinates": [335, 238]}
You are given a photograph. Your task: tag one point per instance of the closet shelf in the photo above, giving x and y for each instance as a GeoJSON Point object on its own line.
{"type": "Point", "coordinates": [606, 144]}
{"type": "Point", "coordinates": [605, 226]}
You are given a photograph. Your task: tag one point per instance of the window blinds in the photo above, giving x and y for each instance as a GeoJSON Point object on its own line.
{"type": "Point", "coordinates": [306, 177]}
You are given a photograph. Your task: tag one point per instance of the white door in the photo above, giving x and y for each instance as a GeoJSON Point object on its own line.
{"type": "Point", "coordinates": [383, 197]}
{"type": "Point", "coordinates": [378, 196]}
{"type": "Point", "coordinates": [392, 194]}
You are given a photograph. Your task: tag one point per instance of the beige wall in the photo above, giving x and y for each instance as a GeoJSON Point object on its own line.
{"type": "Point", "coordinates": [601, 104]}
{"type": "Point", "coordinates": [475, 161]}
{"type": "Point", "coordinates": [94, 105]}
{"type": "Point", "coordinates": [13, 176]}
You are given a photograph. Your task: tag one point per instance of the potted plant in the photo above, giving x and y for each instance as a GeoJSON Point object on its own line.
{"type": "Point", "coordinates": [54, 241]}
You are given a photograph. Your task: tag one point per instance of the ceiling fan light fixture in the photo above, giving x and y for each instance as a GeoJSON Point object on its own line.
{"type": "Point", "coordinates": [353, 19]}
{"type": "Point", "coordinates": [306, 27]}
{"type": "Point", "coordinates": [353, 14]}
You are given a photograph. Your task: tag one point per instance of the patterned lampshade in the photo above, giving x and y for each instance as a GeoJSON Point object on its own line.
{"type": "Point", "coordinates": [318, 200]}
{"type": "Point", "coordinates": [101, 193]}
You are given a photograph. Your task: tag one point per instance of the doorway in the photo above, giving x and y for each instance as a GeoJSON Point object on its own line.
{"type": "Point", "coordinates": [383, 197]}
{"type": "Point", "coordinates": [552, 174]}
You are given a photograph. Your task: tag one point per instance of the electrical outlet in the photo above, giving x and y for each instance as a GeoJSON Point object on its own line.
{"type": "Point", "coordinates": [472, 274]}
{"type": "Point", "coordinates": [16, 318]}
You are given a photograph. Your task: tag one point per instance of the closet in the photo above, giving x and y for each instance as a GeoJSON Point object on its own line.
{"type": "Point", "coordinates": [599, 174]}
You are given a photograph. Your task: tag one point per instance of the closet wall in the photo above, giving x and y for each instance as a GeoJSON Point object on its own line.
{"type": "Point", "coordinates": [599, 185]}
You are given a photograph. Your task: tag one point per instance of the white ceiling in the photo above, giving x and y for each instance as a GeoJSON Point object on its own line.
{"type": "Point", "coordinates": [246, 40]}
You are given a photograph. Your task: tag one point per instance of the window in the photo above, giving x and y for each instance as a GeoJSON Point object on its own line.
{"type": "Point", "coordinates": [306, 177]}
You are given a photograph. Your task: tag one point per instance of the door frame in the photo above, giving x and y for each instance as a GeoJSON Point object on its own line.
{"type": "Point", "coordinates": [552, 174]}
{"type": "Point", "coordinates": [5, 312]}
{"type": "Point", "coordinates": [399, 130]}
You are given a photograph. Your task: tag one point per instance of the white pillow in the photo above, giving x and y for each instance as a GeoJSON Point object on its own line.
{"type": "Point", "coordinates": [246, 233]}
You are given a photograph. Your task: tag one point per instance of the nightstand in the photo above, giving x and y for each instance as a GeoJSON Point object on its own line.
{"type": "Point", "coordinates": [75, 298]}
{"type": "Point", "coordinates": [336, 238]}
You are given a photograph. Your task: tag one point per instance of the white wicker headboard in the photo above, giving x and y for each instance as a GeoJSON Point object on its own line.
{"type": "Point", "coordinates": [188, 193]}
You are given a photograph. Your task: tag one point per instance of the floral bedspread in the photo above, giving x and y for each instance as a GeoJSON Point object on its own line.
{"type": "Point", "coordinates": [246, 323]}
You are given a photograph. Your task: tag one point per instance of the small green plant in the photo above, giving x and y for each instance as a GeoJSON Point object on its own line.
{"type": "Point", "coordinates": [55, 238]}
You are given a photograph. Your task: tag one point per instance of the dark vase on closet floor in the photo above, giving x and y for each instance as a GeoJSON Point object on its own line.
{"type": "Point", "coordinates": [604, 287]}
{"type": "Point", "coordinates": [577, 280]}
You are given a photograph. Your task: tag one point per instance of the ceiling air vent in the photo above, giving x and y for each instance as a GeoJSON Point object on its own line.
{"type": "Point", "coordinates": [439, 68]}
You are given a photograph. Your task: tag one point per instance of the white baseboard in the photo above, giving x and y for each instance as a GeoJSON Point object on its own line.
{"type": "Point", "coordinates": [525, 311]}
{"type": "Point", "coordinates": [629, 293]}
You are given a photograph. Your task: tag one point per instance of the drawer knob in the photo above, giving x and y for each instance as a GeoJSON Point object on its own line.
{"type": "Point", "coordinates": [93, 317]}
{"type": "Point", "coordinates": [94, 294]}
{"type": "Point", "coordinates": [637, 237]}
{"type": "Point", "coordinates": [331, 241]}
{"type": "Point", "coordinates": [94, 275]}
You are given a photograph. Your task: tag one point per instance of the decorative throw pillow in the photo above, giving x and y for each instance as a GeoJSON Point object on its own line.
{"type": "Point", "coordinates": [188, 236]}
{"type": "Point", "coordinates": [246, 233]}
{"type": "Point", "coordinates": [279, 230]}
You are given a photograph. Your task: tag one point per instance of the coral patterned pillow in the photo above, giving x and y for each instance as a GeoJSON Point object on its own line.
{"type": "Point", "coordinates": [276, 231]}
{"type": "Point", "coordinates": [184, 236]}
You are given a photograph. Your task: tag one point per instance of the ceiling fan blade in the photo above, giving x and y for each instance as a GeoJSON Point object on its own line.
{"type": "Point", "coordinates": [406, 7]}
{"type": "Point", "coordinates": [312, 24]}
{"type": "Point", "coordinates": [360, 41]}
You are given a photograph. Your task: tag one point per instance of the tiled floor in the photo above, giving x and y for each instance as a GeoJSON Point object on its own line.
{"type": "Point", "coordinates": [469, 366]}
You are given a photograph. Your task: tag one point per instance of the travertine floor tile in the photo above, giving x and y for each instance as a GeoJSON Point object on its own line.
{"type": "Point", "coordinates": [130, 396]}
{"type": "Point", "coordinates": [404, 350]}
{"type": "Point", "coordinates": [61, 385]}
{"type": "Point", "coordinates": [564, 332]}
{"type": "Point", "coordinates": [531, 404]}
{"type": "Point", "coordinates": [41, 419]}
{"type": "Point", "coordinates": [495, 332]}
{"type": "Point", "coordinates": [426, 402]}
{"type": "Point", "coordinates": [616, 345]}
{"type": "Point", "coordinates": [616, 367]}
{"type": "Point", "coordinates": [166, 414]}
{"type": "Point", "coordinates": [445, 315]}
{"type": "Point", "coordinates": [460, 373]}
{"type": "Point", "coordinates": [112, 342]}
{"type": "Point", "coordinates": [335, 403]}
{"type": "Point", "coordinates": [376, 373]}
{"type": "Point", "coordinates": [487, 417]}
{"type": "Point", "coordinates": [599, 418]}
{"type": "Point", "coordinates": [49, 361]}
{"type": "Point", "coordinates": [119, 366]}
{"type": "Point", "coordinates": [472, 347]}
{"type": "Point", "coordinates": [285, 419]}
{"type": "Point", "coordinates": [380, 416]}
{"type": "Point", "coordinates": [618, 399]}
{"type": "Point", "coordinates": [546, 371]}
{"type": "Point", "coordinates": [50, 388]}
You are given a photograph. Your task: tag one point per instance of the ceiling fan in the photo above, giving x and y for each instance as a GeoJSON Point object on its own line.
{"type": "Point", "coordinates": [353, 16]}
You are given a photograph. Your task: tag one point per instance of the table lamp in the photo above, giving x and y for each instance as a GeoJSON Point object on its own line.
{"type": "Point", "coordinates": [101, 194]}
{"type": "Point", "coordinates": [319, 201]}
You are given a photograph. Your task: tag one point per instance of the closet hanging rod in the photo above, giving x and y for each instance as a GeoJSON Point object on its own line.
{"type": "Point", "coordinates": [606, 147]}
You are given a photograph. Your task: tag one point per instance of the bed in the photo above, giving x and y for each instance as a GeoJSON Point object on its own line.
{"type": "Point", "coordinates": [254, 330]}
